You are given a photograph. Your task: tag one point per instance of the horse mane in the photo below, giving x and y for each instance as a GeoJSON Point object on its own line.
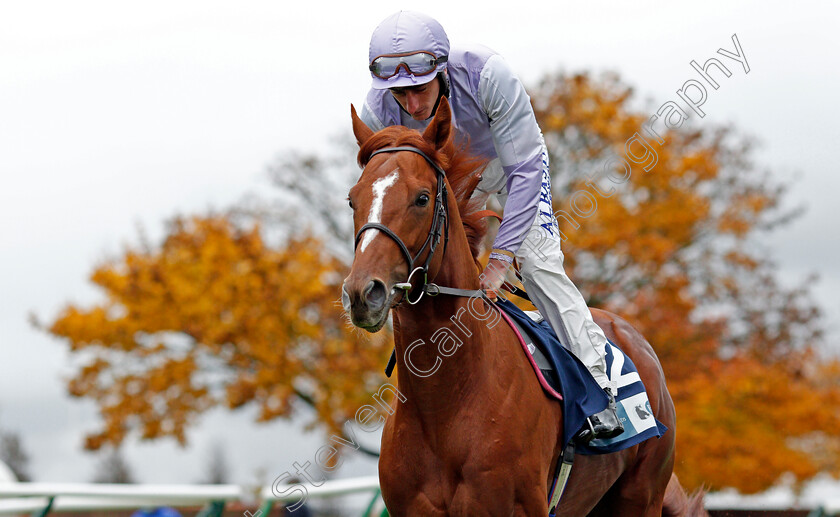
{"type": "Point", "coordinates": [463, 171]}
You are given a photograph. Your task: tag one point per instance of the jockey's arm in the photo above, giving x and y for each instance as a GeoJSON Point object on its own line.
{"type": "Point", "coordinates": [520, 146]}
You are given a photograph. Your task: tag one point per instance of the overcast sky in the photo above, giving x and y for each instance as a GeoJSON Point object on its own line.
{"type": "Point", "coordinates": [115, 115]}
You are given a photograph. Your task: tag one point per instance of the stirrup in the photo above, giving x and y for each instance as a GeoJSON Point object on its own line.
{"type": "Point", "coordinates": [585, 435]}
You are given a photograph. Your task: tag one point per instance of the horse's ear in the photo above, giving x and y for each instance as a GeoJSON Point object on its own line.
{"type": "Point", "coordinates": [440, 128]}
{"type": "Point", "coordinates": [360, 129]}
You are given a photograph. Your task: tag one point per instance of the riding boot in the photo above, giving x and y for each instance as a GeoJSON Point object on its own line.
{"type": "Point", "coordinates": [601, 425]}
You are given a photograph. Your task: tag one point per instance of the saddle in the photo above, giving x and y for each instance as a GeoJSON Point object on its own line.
{"type": "Point", "coordinates": [566, 379]}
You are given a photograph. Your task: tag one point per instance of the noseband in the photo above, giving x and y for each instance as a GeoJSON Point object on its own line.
{"type": "Point", "coordinates": [439, 228]}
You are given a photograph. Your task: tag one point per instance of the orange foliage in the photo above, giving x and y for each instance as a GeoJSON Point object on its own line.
{"type": "Point", "coordinates": [215, 316]}
{"type": "Point", "coordinates": [741, 423]}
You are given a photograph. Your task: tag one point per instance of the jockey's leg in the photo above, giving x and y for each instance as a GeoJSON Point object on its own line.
{"type": "Point", "coordinates": [562, 305]}
{"type": "Point", "coordinates": [541, 266]}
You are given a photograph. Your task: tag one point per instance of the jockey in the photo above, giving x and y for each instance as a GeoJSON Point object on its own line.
{"type": "Point", "coordinates": [412, 68]}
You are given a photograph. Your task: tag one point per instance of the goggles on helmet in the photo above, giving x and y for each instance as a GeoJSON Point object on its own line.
{"type": "Point", "coordinates": [415, 63]}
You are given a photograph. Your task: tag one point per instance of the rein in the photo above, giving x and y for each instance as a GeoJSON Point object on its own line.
{"type": "Point", "coordinates": [439, 228]}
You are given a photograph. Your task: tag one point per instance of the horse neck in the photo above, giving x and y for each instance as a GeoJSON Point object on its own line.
{"type": "Point", "coordinates": [424, 333]}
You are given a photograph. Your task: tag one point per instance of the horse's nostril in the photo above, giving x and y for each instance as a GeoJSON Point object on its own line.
{"type": "Point", "coordinates": [375, 295]}
{"type": "Point", "coordinates": [345, 298]}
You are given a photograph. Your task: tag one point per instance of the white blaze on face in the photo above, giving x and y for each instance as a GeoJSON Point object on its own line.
{"type": "Point", "coordinates": [380, 186]}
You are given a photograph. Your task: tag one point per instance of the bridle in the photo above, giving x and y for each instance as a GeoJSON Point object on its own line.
{"type": "Point", "coordinates": [439, 228]}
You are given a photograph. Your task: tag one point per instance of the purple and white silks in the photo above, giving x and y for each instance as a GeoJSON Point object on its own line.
{"type": "Point", "coordinates": [491, 108]}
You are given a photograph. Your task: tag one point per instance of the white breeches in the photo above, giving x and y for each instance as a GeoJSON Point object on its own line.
{"type": "Point", "coordinates": [540, 261]}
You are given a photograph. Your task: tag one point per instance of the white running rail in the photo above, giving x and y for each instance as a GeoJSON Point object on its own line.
{"type": "Point", "coordinates": [19, 498]}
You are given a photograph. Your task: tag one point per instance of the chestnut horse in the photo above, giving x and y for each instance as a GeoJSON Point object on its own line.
{"type": "Point", "coordinates": [473, 433]}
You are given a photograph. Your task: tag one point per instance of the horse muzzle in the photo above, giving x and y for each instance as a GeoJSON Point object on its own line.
{"type": "Point", "coordinates": [368, 304]}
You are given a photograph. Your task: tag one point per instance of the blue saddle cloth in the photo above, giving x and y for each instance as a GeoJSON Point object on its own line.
{"type": "Point", "coordinates": [583, 397]}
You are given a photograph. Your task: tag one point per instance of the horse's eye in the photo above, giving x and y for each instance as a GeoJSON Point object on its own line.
{"type": "Point", "coordinates": [422, 200]}
{"type": "Point", "coordinates": [350, 202]}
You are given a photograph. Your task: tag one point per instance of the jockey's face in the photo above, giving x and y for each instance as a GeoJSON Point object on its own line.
{"type": "Point", "coordinates": [420, 100]}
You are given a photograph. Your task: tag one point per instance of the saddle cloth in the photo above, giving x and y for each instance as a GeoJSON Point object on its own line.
{"type": "Point", "coordinates": [564, 378]}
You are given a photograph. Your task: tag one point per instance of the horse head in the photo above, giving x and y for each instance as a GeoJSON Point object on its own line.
{"type": "Point", "coordinates": [399, 213]}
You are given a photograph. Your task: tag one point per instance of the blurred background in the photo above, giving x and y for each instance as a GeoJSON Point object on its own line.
{"type": "Point", "coordinates": [174, 231]}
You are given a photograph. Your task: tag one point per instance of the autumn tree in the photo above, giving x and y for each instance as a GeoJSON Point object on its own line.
{"type": "Point", "coordinates": [215, 316]}
{"type": "Point", "coordinates": [228, 312]}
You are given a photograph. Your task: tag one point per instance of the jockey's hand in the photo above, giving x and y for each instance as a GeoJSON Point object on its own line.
{"type": "Point", "coordinates": [494, 276]}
